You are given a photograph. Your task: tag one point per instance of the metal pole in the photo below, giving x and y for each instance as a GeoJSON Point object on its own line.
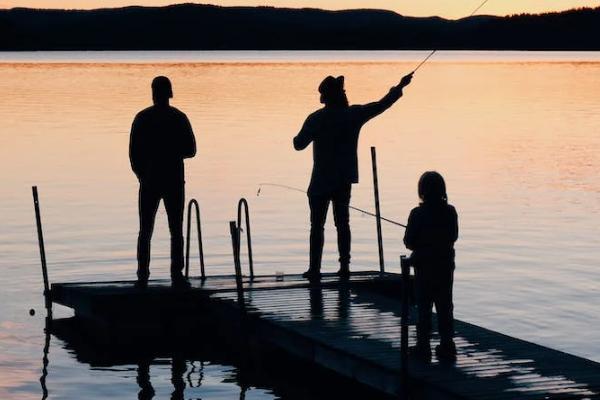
{"type": "Point", "coordinates": [377, 210]}
{"type": "Point", "coordinates": [404, 316]}
{"type": "Point", "coordinates": [38, 219]}
{"type": "Point", "coordinates": [233, 230]}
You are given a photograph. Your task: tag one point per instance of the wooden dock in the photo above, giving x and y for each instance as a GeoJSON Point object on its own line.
{"type": "Point", "coordinates": [350, 328]}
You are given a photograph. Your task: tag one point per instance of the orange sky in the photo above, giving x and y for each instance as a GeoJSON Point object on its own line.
{"type": "Point", "coordinates": [445, 8]}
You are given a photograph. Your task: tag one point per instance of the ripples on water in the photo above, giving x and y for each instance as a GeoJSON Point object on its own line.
{"type": "Point", "coordinates": [515, 135]}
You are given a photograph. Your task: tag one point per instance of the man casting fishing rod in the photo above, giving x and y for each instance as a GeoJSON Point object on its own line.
{"type": "Point", "coordinates": [334, 131]}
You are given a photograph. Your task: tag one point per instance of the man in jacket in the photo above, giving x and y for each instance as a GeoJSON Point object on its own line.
{"type": "Point", "coordinates": [334, 130]}
{"type": "Point", "coordinates": [161, 138]}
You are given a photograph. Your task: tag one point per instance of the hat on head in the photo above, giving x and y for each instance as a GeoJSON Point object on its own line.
{"type": "Point", "coordinates": [331, 85]}
{"type": "Point", "coordinates": [162, 85]}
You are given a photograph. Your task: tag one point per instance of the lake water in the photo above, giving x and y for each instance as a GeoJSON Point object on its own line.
{"type": "Point", "coordinates": [516, 135]}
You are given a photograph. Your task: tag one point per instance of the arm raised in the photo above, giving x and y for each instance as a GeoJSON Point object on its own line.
{"type": "Point", "coordinates": [371, 110]}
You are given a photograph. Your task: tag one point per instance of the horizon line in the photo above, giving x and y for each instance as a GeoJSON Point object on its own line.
{"type": "Point", "coordinates": [188, 3]}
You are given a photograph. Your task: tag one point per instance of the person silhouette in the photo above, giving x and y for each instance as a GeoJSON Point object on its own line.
{"type": "Point", "coordinates": [431, 232]}
{"type": "Point", "coordinates": [334, 130]}
{"type": "Point", "coordinates": [161, 138]}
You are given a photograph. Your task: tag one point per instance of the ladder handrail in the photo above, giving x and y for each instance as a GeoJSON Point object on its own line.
{"type": "Point", "coordinates": [243, 204]}
{"type": "Point", "coordinates": [194, 203]}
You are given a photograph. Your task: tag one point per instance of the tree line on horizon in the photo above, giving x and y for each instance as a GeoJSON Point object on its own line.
{"type": "Point", "coordinates": [208, 27]}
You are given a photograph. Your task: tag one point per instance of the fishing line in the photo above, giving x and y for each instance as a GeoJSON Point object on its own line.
{"type": "Point", "coordinates": [435, 51]}
{"type": "Point", "coordinates": [277, 185]}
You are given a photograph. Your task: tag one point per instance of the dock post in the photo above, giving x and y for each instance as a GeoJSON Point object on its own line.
{"type": "Point", "coordinates": [404, 316]}
{"type": "Point", "coordinates": [235, 242]}
{"type": "Point", "coordinates": [377, 209]}
{"type": "Point", "coordinates": [38, 219]}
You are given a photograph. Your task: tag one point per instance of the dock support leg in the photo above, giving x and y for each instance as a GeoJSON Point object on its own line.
{"type": "Point", "coordinates": [377, 209]}
{"type": "Point", "coordinates": [38, 219]}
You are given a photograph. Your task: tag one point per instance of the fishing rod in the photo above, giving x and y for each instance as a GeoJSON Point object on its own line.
{"type": "Point", "coordinates": [435, 51]}
{"type": "Point", "coordinates": [277, 185]}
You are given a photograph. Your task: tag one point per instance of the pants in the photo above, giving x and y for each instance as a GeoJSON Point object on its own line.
{"type": "Point", "coordinates": [319, 204]}
{"type": "Point", "coordinates": [434, 286]}
{"type": "Point", "coordinates": [173, 196]}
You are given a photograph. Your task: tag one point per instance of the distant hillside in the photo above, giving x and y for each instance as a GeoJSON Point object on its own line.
{"type": "Point", "coordinates": [204, 27]}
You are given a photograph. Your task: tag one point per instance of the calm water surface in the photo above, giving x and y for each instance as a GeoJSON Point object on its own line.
{"type": "Point", "coordinates": [515, 134]}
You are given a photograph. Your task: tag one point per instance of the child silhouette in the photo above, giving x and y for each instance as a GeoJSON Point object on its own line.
{"type": "Point", "coordinates": [431, 232]}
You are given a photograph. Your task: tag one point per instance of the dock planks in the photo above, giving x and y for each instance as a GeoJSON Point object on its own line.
{"type": "Point", "coordinates": [352, 329]}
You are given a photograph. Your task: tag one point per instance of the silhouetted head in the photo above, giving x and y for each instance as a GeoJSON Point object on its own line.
{"type": "Point", "coordinates": [162, 90]}
{"type": "Point", "coordinates": [332, 92]}
{"type": "Point", "coordinates": [432, 188]}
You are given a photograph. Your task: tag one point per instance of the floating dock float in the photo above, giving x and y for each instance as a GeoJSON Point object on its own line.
{"type": "Point", "coordinates": [354, 329]}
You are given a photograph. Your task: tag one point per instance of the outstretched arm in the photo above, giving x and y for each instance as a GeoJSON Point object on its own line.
{"type": "Point", "coordinates": [371, 110]}
{"type": "Point", "coordinates": [306, 135]}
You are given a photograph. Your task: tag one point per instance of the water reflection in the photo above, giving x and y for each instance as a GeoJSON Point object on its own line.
{"type": "Point", "coordinates": [195, 370]}
{"type": "Point", "coordinates": [206, 367]}
{"type": "Point", "coordinates": [187, 362]}
{"type": "Point", "coordinates": [143, 380]}
{"type": "Point", "coordinates": [178, 368]}
{"type": "Point", "coordinates": [45, 360]}
{"type": "Point", "coordinates": [316, 301]}
{"type": "Point", "coordinates": [344, 302]}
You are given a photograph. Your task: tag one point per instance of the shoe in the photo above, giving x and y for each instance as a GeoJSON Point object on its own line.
{"type": "Point", "coordinates": [344, 273]}
{"type": "Point", "coordinates": [446, 351]}
{"type": "Point", "coordinates": [422, 352]}
{"type": "Point", "coordinates": [312, 275]}
{"type": "Point", "coordinates": [180, 282]}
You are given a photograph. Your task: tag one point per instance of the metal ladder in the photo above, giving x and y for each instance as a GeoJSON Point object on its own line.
{"type": "Point", "coordinates": [193, 204]}
{"type": "Point", "coordinates": [236, 230]}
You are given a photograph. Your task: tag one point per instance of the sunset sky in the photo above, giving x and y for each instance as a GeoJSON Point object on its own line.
{"type": "Point", "coordinates": [445, 8]}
